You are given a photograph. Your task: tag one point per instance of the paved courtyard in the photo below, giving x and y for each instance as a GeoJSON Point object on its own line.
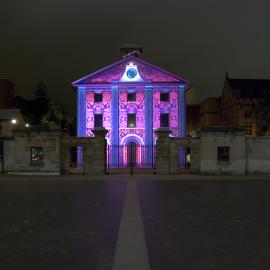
{"type": "Point", "coordinates": [134, 222]}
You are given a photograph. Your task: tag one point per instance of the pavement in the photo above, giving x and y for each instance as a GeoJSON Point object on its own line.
{"type": "Point", "coordinates": [135, 222]}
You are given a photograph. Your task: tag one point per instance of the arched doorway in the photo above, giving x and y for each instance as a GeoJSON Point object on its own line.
{"type": "Point", "coordinates": [131, 154]}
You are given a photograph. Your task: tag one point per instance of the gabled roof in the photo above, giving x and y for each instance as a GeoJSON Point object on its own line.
{"type": "Point", "coordinates": [114, 74]}
{"type": "Point", "coordinates": [250, 88]}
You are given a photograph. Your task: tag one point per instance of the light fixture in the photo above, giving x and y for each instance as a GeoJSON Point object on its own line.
{"type": "Point", "coordinates": [13, 121]}
{"type": "Point", "coordinates": [27, 125]}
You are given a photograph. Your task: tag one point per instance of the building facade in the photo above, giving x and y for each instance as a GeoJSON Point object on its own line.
{"type": "Point", "coordinates": [131, 99]}
{"type": "Point", "coordinates": [237, 106]}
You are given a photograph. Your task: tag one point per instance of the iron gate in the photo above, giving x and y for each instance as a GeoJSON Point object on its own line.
{"type": "Point", "coordinates": [131, 157]}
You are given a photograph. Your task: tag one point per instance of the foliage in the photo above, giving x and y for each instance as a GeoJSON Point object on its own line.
{"type": "Point", "coordinates": [40, 111]}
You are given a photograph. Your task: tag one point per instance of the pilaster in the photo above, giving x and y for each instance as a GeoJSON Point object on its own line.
{"type": "Point", "coordinates": [148, 118]}
{"type": "Point", "coordinates": [81, 115]}
{"type": "Point", "coordinates": [114, 126]}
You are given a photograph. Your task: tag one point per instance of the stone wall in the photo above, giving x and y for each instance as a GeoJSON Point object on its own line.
{"type": "Point", "coordinates": [203, 152]}
{"type": "Point", "coordinates": [17, 152]}
{"type": "Point", "coordinates": [56, 151]}
{"type": "Point", "coordinates": [211, 139]}
{"type": "Point", "coordinates": [258, 155]}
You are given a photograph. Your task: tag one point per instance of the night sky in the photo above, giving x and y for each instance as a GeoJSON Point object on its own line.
{"type": "Point", "coordinates": [57, 41]}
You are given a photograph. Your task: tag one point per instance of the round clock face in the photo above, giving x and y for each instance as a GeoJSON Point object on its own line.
{"type": "Point", "coordinates": [131, 73]}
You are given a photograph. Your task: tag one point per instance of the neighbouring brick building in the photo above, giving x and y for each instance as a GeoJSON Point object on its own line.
{"type": "Point", "coordinates": [6, 94]}
{"type": "Point", "coordinates": [10, 117]}
{"type": "Point", "coordinates": [235, 108]}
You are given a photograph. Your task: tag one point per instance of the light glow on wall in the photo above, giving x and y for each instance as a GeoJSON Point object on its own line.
{"type": "Point", "coordinates": [131, 74]}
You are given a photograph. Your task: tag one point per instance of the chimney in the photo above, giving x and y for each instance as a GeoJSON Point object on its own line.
{"type": "Point", "coordinates": [131, 49]}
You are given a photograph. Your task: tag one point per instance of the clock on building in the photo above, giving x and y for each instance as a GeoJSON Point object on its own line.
{"type": "Point", "coordinates": [131, 73]}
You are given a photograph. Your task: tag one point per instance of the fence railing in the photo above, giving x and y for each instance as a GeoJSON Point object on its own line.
{"type": "Point", "coordinates": [131, 155]}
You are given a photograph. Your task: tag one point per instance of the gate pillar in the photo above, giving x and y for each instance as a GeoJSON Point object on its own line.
{"type": "Point", "coordinates": [163, 151]}
{"type": "Point", "coordinates": [95, 157]}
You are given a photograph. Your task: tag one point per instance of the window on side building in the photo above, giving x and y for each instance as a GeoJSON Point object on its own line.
{"type": "Point", "coordinates": [164, 120]}
{"type": "Point", "coordinates": [37, 153]}
{"type": "Point", "coordinates": [223, 153]}
{"type": "Point", "coordinates": [131, 121]}
{"type": "Point", "coordinates": [98, 120]}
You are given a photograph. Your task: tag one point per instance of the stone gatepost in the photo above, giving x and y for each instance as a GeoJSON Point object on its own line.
{"type": "Point", "coordinates": [163, 151]}
{"type": "Point", "coordinates": [65, 162]}
{"type": "Point", "coordinates": [95, 155]}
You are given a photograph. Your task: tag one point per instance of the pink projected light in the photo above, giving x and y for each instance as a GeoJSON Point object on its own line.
{"type": "Point", "coordinates": [115, 82]}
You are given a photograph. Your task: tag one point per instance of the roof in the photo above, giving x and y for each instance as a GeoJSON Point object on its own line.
{"type": "Point", "coordinates": [8, 114]}
{"type": "Point", "coordinates": [115, 74]}
{"type": "Point", "coordinates": [250, 88]}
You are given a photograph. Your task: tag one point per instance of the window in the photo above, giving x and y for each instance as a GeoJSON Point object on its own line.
{"type": "Point", "coordinates": [223, 153]}
{"type": "Point", "coordinates": [248, 114]}
{"type": "Point", "coordinates": [164, 120]}
{"type": "Point", "coordinates": [248, 128]}
{"type": "Point", "coordinates": [131, 97]}
{"type": "Point", "coordinates": [98, 97]}
{"type": "Point", "coordinates": [98, 121]}
{"type": "Point", "coordinates": [36, 153]}
{"type": "Point", "coordinates": [164, 96]}
{"type": "Point", "coordinates": [131, 120]}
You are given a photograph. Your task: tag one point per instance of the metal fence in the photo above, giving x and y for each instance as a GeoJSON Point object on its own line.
{"type": "Point", "coordinates": [131, 156]}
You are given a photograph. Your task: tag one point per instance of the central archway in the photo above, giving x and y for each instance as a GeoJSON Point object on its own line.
{"type": "Point", "coordinates": [132, 150]}
{"type": "Point", "coordinates": [131, 154]}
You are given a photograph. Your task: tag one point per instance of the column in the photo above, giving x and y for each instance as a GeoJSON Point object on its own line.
{"type": "Point", "coordinates": [81, 115]}
{"type": "Point", "coordinates": [182, 123]}
{"type": "Point", "coordinates": [81, 120]}
{"type": "Point", "coordinates": [148, 118]}
{"type": "Point", "coordinates": [114, 147]}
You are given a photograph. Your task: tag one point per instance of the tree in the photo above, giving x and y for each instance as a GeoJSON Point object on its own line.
{"type": "Point", "coordinates": [34, 109]}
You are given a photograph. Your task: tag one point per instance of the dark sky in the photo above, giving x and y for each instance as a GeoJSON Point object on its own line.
{"type": "Point", "coordinates": [59, 41]}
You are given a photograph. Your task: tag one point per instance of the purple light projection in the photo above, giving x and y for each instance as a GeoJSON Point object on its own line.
{"type": "Point", "coordinates": [113, 73]}
{"type": "Point", "coordinates": [146, 78]}
{"type": "Point", "coordinates": [170, 107]}
{"type": "Point", "coordinates": [93, 108]}
{"type": "Point", "coordinates": [125, 108]}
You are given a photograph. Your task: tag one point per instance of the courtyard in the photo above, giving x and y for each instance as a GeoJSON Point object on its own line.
{"type": "Point", "coordinates": [134, 222]}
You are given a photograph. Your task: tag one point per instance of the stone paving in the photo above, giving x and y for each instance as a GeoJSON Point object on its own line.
{"type": "Point", "coordinates": [147, 222]}
{"type": "Point", "coordinates": [53, 224]}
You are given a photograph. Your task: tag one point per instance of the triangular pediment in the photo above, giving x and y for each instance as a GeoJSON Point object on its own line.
{"type": "Point", "coordinates": [130, 69]}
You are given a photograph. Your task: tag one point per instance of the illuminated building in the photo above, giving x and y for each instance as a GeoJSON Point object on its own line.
{"type": "Point", "coordinates": [131, 99]}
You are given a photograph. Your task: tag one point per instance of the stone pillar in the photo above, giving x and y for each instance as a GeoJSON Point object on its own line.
{"type": "Point", "coordinates": [195, 157]}
{"type": "Point", "coordinates": [148, 119]}
{"type": "Point", "coordinates": [95, 156]}
{"type": "Point", "coordinates": [163, 151]}
{"type": "Point", "coordinates": [114, 155]}
{"type": "Point", "coordinates": [65, 159]}
{"type": "Point", "coordinates": [182, 123]}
